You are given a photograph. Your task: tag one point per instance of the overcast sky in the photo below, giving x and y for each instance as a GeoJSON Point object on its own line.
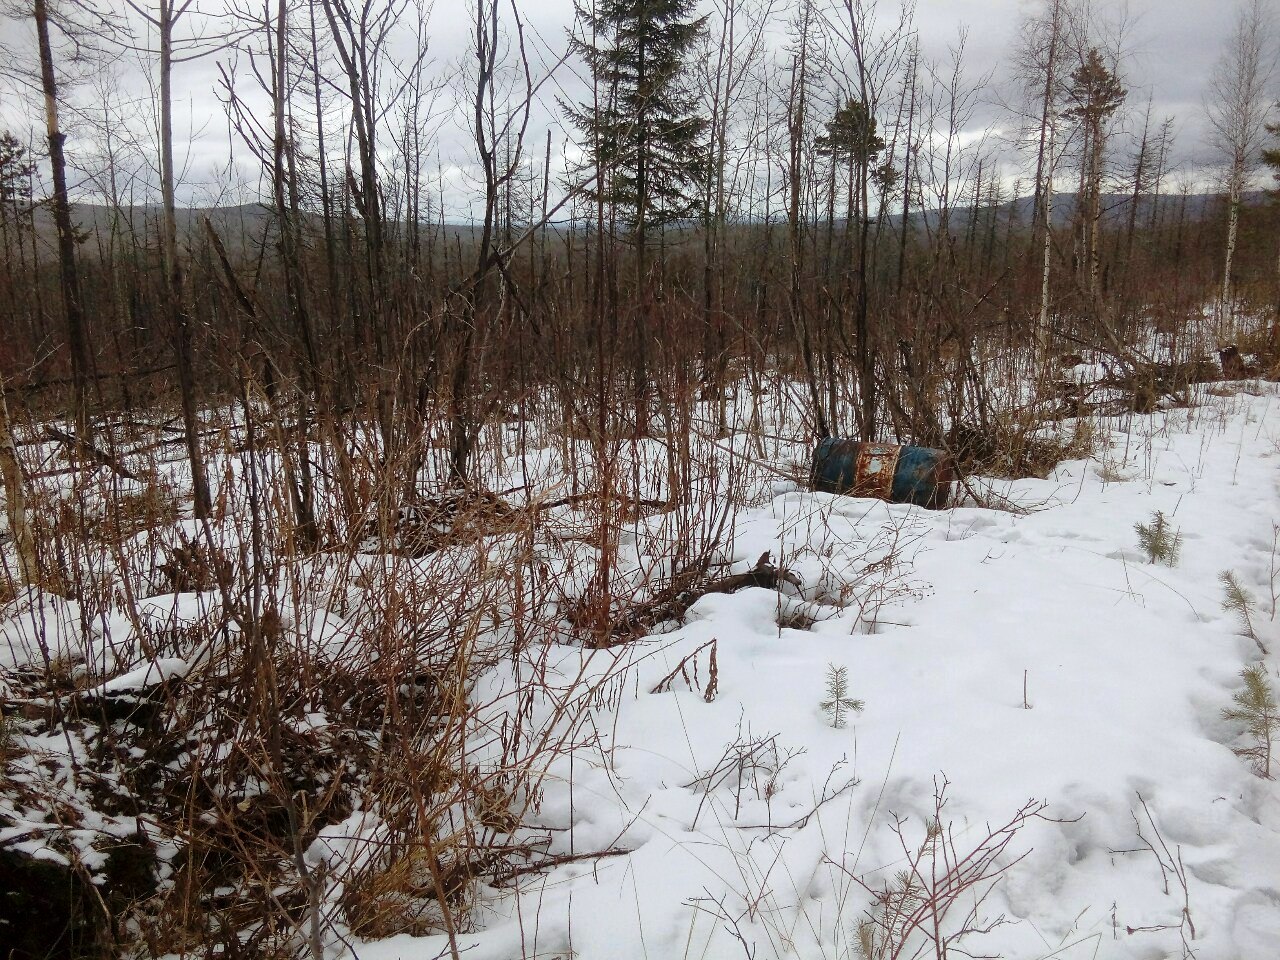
{"type": "Point", "coordinates": [1172, 45]}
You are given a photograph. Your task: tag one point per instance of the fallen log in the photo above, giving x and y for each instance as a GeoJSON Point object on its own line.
{"type": "Point", "coordinates": [90, 452]}
{"type": "Point", "coordinates": [674, 603]}
{"type": "Point", "coordinates": [32, 386]}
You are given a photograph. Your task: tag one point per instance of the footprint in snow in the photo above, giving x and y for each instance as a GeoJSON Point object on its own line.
{"type": "Point", "coordinates": [1217, 872]}
{"type": "Point", "coordinates": [1126, 555]}
{"type": "Point", "coordinates": [1260, 544]}
{"type": "Point", "coordinates": [1255, 923]}
{"type": "Point", "coordinates": [1073, 535]}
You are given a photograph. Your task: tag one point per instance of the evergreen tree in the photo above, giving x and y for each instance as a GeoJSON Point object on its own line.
{"type": "Point", "coordinates": [1255, 709]}
{"type": "Point", "coordinates": [1271, 158]}
{"type": "Point", "coordinates": [851, 136]}
{"type": "Point", "coordinates": [15, 170]}
{"type": "Point", "coordinates": [1159, 541]}
{"type": "Point", "coordinates": [1094, 94]}
{"type": "Point", "coordinates": [839, 704]}
{"type": "Point", "coordinates": [16, 173]}
{"type": "Point", "coordinates": [644, 137]}
{"type": "Point", "coordinates": [1239, 601]}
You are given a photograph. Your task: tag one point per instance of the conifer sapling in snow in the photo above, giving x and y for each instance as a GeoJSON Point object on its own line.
{"type": "Point", "coordinates": [838, 703]}
{"type": "Point", "coordinates": [1158, 540]}
{"type": "Point", "coordinates": [1255, 708]}
{"type": "Point", "coordinates": [1239, 601]}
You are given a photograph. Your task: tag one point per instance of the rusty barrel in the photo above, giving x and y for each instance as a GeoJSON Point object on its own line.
{"type": "Point", "coordinates": [886, 471]}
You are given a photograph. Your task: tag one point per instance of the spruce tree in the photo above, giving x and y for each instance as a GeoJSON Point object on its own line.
{"type": "Point", "coordinates": [851, 136]}
{"type": "Point", "coordinates": [1271, 159]}
{"type": "Point", "coordinates": [1094, 94]}
{"type": "Point", "coordinates": [644, 137]}
{"type": "Point", "coordinates": [15, 171]}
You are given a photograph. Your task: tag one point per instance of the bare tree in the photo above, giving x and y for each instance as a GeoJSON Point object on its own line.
{"type": "Point", "coordinates": [492, 125]}
{"type": "Point", "coordinates": [878, 56]}
{"type": "Point", "coordinates": [799, 92]}
{"type": "Point", "coordinates": [361, 35]}
{"type": "Point", "coordinates": [732, 47]}
{"type": "Point", "coordinates": [1038, 61]}
{"type": "Point", "coordinates": [72, 304]}
{"type": "Point", "coordinates": [165, 19]}
{"type": "Point", "coordinates": [277, 149]}
{"type": "Point", "coordinates": [1237, 107]}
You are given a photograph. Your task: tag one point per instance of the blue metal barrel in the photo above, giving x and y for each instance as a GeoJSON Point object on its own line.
{"type": "Point", "coordinates": [886, 471]}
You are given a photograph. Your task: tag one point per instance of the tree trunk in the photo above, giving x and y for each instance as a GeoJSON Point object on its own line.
{"type": "Point", "coordinates": [72, 307]}
{"type": "Point", "coordinates": [16, 498]}
{"type": "Point", "coordinates": [1042, 329]}
{"type": "Point", "coordinates": [301, 488]}
{"type": "Point", "coordinates": [1233, 226]}
{"type": "Point", "coordinates": [862, 330]}
{"type": "Point", "coordinates": [1095, 213]}
{"type": "Point", "coordinates": [796, 105]}
{"type": "Point", "coordinates": [180, 322]}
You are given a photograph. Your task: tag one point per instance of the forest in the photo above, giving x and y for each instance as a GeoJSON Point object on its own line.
{"type": "Point", "coordinates": [349, 498]}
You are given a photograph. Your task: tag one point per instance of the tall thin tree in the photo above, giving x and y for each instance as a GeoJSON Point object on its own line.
{"type": "Point", "coordinates": [73, 306]}
{"type": "Point", "coordinates": [1238, 105]}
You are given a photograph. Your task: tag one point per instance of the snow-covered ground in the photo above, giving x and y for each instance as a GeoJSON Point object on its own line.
{"type": "Point", "coordinates": [1002, 657]}
{"type": "Point", "coordinates": [1039, 768]}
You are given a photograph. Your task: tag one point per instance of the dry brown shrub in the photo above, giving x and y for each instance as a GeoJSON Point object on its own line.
{"type": "Point", "coordinates": [1014, 446]}
{"type": "Point", "coordinates": [398, 896]}
{"type": "Point", "coordinates": [450, 519]}
{"type": "Point", "coordinates": [192, 568]}
{"type": "Point", "coordinates": [115, 516]}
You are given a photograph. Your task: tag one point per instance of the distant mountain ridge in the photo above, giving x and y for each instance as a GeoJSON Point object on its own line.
{"type": "Point", "coordinates": [246, 226]}
{"type": "Point", "coordinates": [1116, 209]}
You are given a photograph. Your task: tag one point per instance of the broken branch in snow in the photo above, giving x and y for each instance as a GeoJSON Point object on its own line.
{"type": "Point", "coordinates": [80, 446]}
{"type": "Point", "coordinates": [548, 863]}
{"type": "Point", "coordinates": [673, 603]}
{"type": "Point", "coordinates": [682, 668]}
{"type": "Point", "coordinates": [1170, 863]}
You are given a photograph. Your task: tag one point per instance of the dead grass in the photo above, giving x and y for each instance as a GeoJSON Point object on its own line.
{"type": "Point", "coordinates": [399, 896]}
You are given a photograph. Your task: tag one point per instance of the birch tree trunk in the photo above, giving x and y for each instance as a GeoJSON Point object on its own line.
{"type": "Point", "coordinates": [1042, 329]}
{"type": "Point", "coordinates": [1233, 228]}
{"type": "Point", "coordinates": [1238, 105]}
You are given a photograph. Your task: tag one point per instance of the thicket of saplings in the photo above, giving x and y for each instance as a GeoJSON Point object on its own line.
{"type": "Point", "coordinates": [362, 403]}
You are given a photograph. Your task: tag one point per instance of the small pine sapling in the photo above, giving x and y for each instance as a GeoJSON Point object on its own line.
{"type": "Point", "coordinates": [838, 702]}
{"type": "Point", "coordinates": [1158, 540]}
{"type": "Point", "coordinates": [1239, 601]}
{"type": "Point", "coordinates": [1255, 708]}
